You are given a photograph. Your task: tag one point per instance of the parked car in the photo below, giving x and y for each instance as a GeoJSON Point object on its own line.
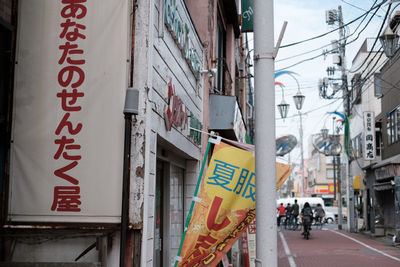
{"type": "Point", "coordinates": [335, 212]}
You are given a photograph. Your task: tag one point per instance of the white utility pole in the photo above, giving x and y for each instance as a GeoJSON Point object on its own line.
{"type": "Point", "coordinates": [266, 238]}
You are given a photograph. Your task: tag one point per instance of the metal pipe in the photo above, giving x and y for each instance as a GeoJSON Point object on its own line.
{"type": "Point", "coordinates": [125, 187]}
{"type": "Point", "coordinates": [266, 239]}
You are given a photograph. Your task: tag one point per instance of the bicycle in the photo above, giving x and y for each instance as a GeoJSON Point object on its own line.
{"type": "Point", "coordinates": [319, 222]}
{"type": "Point", "coordinates": [306, 225]}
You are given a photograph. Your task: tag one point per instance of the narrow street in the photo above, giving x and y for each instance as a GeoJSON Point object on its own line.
{"type": "Point", "coordinates": [333, 248]}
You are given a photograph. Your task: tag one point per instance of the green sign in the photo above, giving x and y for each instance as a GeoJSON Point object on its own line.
{"type": "Point", "coordinates": [247, 15]}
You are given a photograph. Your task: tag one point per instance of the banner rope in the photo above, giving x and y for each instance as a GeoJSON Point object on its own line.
{"type": "Point", "coordinates": [178, 258]}
{"type": "Point", "coordinates": [244, 146]}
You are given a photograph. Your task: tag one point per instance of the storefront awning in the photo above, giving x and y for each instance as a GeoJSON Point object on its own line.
{"type": "Point", "coordinates": [226, 117]}
{"type": "Point", "coordinates": [391, 160]}
{"type": "Point", "coordinates": [383, 186]}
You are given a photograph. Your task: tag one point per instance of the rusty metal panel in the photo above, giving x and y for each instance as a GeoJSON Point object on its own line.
{"type": "Point", "coordinates": [222, 111]}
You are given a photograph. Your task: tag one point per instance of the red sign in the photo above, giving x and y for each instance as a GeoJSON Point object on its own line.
{"type": "Point", "coordinates": [332, 188]}
{"type": "Point", "coordinates": [176, 113]}
{"type": "Point", "coordinates": [71, 78]}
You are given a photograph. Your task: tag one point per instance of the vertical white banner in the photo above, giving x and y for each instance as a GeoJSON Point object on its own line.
{"type": "Point", "coordinates": [68, 126]}
{"type": "Point", "coordinates": [369, 151]}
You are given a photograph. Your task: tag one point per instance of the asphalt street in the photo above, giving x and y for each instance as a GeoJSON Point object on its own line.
{"type": "Point", "coordinates": [334, 248]}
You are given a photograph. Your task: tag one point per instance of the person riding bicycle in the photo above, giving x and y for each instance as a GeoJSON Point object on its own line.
{"type": "Point", "coordinates": [307, 216]}
{"type": "Point", "coordinates": [281, 213]}
{"type": "Point", "coordinates": [295, 214]}
{"type": "Point", "coordinates": [319, 213]}
{"type": "Point", "coordinates": [288, 214]}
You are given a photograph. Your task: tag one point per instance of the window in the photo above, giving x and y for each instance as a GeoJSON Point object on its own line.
{"type": "Point", "coordinates": [329, 173]}
{"type": "Point", "coordinates": [377, 85]}
{"type": "Point", "coordinates": [169, 213]}
{"type": "Point", "coordinates": [393, 126]}
{"type": "Point", "coordinates": [356, 146]}
{"type": "Point", "coordinates": [220, 53]}
{"type": "Point", "coordinates": [356, 89]}
{"type": "Point", "coordinates": [378, 139]}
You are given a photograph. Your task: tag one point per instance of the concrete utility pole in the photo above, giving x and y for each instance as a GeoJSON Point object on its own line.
{"type": "Point", "coordinates": [342, 50]}
{"type": "Point", "coordinates": [266, 239]}
{"type": "Point", "coordinates": [346, 96]}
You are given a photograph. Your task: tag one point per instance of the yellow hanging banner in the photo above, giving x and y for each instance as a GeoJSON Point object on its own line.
{"type": "Point", "coordinates": [226, 206]}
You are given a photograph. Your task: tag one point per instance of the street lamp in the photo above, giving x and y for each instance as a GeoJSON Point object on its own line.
{"type": "Point", "coordinates": [324, 132]}
{"type": "Point", "coordinates": [283, 107]}
{"type": "Point", "coordinates": [389, 41]}
{"type": "Point", "coordinates": [299, 100]}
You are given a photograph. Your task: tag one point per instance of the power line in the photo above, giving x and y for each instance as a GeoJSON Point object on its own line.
{"type": "Point", "coordinates": [326, 33]}
{"type": "Point", "coordinates": [376, 39]}
{"type": "Point", "coordinates": [347, 43]}
{"type": "Point", "coordinates": [359, 8]}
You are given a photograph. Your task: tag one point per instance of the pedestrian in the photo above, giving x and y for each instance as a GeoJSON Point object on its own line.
{"type": "Point", "coordinates": [281, 213]}
{"type": "Point", "coordinates": [295, 214]}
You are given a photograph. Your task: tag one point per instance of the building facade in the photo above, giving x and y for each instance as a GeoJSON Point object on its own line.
{"type": "Point", "coordinates": [181, 60]}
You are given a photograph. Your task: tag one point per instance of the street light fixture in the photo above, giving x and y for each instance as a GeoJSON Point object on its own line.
{"type": "Point", "coordinates": [283, 108]}
{"type": "Point", "coordinates": [299, 100]}
{"type": "Point", "coordinates": [389, 41]}
{"type": "Point", "coordinates": [324, 132]}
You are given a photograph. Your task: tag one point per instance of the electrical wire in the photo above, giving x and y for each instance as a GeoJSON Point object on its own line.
{"type": "Point", "coordinates": [326, 33]}
{"type": "Point", "coordinates": [376, 39]}
{"type": "Point", "coordinates": [359, 8]}
{"type": "Point", "coordinates": [326, 52]}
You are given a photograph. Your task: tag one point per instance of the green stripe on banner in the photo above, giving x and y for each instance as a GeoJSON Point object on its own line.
{"type": "Point", "coordinates": [193, 202]}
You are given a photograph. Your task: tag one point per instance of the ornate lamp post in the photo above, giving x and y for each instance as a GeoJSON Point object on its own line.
{"type": "Point", "coordinates": [299, 100]}
{"type": "Point", "coordinates": [389, 41]}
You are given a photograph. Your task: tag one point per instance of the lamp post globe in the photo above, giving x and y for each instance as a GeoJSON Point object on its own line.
{"type": "Point", "coordinates": [324, 132]}
{"type": "Point", "coordinates": [389, 41]}
{"type": "Point", "coordinates": [299, 100]}
{"type": "Point", "coordinates": [283, 108]}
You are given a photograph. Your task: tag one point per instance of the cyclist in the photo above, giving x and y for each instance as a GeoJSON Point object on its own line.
{"type": "Point", "coordinates": [281, 213]}
{"type": "Point", "coordinates": [319, 213]}
{"type": "Point", "coordinates": [295, 214]}
{"type": "Point", "coordinates": [307, 216]}
{"type": "Point", "coordinates": [288, 215]}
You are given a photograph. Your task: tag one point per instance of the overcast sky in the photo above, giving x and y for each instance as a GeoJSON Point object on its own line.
{"type": "Point", "coordinates": [306, 19]}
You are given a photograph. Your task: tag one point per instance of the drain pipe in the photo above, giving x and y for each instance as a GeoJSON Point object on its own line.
{"type": "Point", "coordinates": [131, 108]}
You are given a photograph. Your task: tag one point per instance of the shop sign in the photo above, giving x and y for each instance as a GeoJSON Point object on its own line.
{"type": "Point", "coordinates": [61, 156]}
{"type": "Point", "coordinates": [332, 188]}
{"type": "Point", "coordinates": [247, 15]}
{"type": "Point", "coordinates": [181, 33]}
{"type": "Point", "coordinates": [177, 114]}
{"type": "Point", "coordinates": [369, 135]}
{"type": "Point", "coordinates": [238, 125]}
{"type": "Point", "coordinates": [321, 189]}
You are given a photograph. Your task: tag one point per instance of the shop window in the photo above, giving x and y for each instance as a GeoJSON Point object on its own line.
{"type": "Point", "coordinates": [168, 213]}
{"type": "Point", "coordinates": [393, 126]}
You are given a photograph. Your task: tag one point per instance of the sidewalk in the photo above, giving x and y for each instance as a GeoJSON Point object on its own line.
{"type": "Point", "coordinates": [384, 240]}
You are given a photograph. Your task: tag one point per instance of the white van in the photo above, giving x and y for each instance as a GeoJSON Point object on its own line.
{"type": "Point", "coordinates": [313, 201]}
